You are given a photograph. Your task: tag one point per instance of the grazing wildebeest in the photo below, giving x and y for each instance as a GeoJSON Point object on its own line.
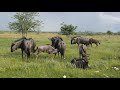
{"type": "Point", "coordinates": [53, 39]}
{"type": "Point", "coordinates": [26, 45]}
{"type": "Point", "coordinates": [80, 40]}
{"type": "Point", "coordinates": [72, 38]}
{"type": "Point", "coordinates": [80, 63]}
{"type": "Point", "coordinates": [95, 41]}
{"type": "Point", "coordinates": [46, 48]}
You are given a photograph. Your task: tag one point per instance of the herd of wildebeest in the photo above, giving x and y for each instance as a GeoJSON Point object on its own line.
{"type": "Point", "coordinates": [57, 46]}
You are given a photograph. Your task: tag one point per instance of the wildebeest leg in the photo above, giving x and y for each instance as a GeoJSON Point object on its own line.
{"type": "Point", "coordinates": [83, 63]}
{"type": "Point", "coordinates": [62, 56]}
{"type": "Point", "coordinates": [22, 54]}
{"type": "Point", "coordinates": [37, 54]}
{"type": "Point", "coordinates": [58, 53]}
{"type": "Point", "coordinates": [28, 56]}
{"type": "Point", "coordinates": [96, 44]}
{"type": "Point", "coordinates": [55, 55]}
{"type": "Point", "coordinates": [91, 44]}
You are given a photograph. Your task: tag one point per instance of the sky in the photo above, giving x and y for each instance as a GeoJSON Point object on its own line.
{"type": "Point", "coordinates": [86, 21]}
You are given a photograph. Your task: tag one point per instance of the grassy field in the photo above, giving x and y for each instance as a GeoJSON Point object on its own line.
{"type": "Point", "coordinates": [102, 59]}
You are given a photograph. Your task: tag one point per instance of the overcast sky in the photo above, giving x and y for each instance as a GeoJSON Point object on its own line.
{"type": "Point", "coordinates": [86, 21]}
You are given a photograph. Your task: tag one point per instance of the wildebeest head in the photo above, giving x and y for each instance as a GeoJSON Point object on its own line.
{"type": "Point", "coordinates": [13, 47]}
{"type": "Point", "coordinates": [54, 39]}
{"type": "Point", "coordinates": [73, 40]}
{"type": "Point", "coordinates": [16, 44]}
{"type": "Point", "coordinates": [73, 61]}
{"type": "Point", "coordinates": [55, 51]}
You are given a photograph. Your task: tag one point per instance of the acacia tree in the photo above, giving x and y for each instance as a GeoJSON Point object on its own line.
{"type": "Point", "coordinates": [25, 21]}
{"type": "Point", "coordinates": [109, 33]}
{"type": "Point", "coordinates": [67, 29]}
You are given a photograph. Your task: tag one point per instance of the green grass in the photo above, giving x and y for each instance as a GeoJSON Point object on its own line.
{"type": "Point", "coordinates": [102, 59]}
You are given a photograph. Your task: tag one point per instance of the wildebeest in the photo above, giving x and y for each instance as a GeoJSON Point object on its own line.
{"type": "Point", "coordinates": [82, 51]}
{"type": "Point", "coordinates": [59, 44]}
{"type": "Point", "coordinates": [80, 40]}
{"type": "Point", "coordinates": [26, 45]}
{"type": "Point", "coordinates": [72, 38]}
{"type": "Point", "coordinates": [95, 41]}
{"type": "Point", "coordinates": [46, 48]}
{"type": "Point", "coordinates": [80, 63]}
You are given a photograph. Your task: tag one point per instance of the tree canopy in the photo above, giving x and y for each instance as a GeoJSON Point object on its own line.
{"type": "Point", "coordinates": [25, 21]}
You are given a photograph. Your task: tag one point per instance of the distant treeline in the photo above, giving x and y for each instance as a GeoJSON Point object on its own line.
{"type": "Point", "coordinates": [76, 33]}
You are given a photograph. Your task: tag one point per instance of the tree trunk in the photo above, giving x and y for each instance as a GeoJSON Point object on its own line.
{"type": "Point", "coordinates": [22, 34]}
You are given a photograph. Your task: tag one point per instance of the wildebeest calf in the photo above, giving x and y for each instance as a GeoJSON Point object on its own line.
{"type": "Point", "coordinates": [46, 48]}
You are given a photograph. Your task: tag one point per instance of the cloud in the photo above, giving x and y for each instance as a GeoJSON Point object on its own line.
{"type": "Point", "coordinates": [51, 22]}
{"type": "Point", "coordinates": [109, 19]}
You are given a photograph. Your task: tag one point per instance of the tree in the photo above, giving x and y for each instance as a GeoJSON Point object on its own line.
{"type": "Point", "coordinates": [25, 21]}
{"type": "Point", "coordinates": [109, 32]}
{"type": "Point", "coordinates": [67, 29]}
{"type": "Point", "coordinates": [118, 33]}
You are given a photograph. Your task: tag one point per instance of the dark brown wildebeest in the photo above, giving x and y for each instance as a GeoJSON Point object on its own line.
{"type": "Point", "coordinates": [95, 41]}
{"type": "Point", "coordinates": [26, 45]}
{"type": "Point", "coordinates": [80, 63]}
{"type": "Point", "coordinates": [80, 40]}
{"type": "Point", "coordinates": [59, 44]}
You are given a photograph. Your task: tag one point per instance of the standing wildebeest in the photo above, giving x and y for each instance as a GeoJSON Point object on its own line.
{"type": "Point", "coordinates": [80, 40]}
{"type": "Point", "coordinates": [80, 63]}
{"type": "Point", "coordinates": [61, 46]}
{"type": "Point", "coordinates": [94, 41]}
{"type": "Point", "coordinates": [26, 45]}
{"type": "Point", "coordinates": [58, 43]}
{"type": "Point", "coordinates": [82, 51]}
